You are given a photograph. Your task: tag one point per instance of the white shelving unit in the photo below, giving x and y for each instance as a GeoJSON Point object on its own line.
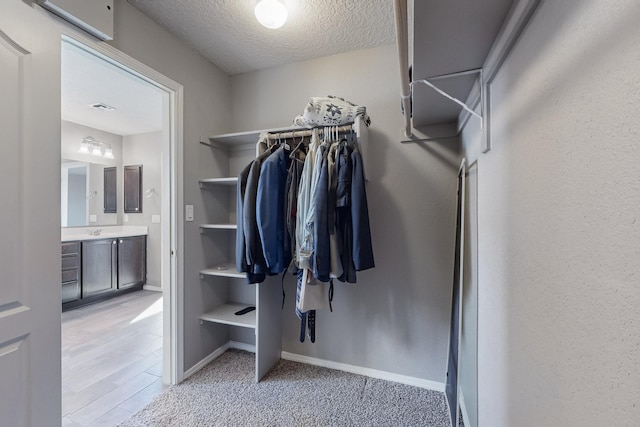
{"type": "Point", "coordinates": [225, 314]}
{"type": "Point", "coordinates": [218, 226]}
{"type": "Point", "coordinates": [232, 181]}
{"type": "Point", "coordinates": [222, 270]}
{"type": "Point", "coordinates": [239, 149]}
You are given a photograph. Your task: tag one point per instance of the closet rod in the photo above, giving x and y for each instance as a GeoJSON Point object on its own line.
{"type": "Point", "coordinates": [306, 132]}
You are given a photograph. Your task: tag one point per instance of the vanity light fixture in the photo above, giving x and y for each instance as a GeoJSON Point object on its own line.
{"type": "Point", "coordinates": [271, 13]}
{"type": "Point", "coordinates": [108, 153]}
{"type": "Point", "coordinates": [96, 151]}
{"type": "Point", "coordinates": [90, 145]}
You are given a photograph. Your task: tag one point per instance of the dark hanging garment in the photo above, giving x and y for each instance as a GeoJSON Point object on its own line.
{"type": "Point", "coordinates": [241, 260]}
{"type": "Point", "coordinates": [256, 264]}
{"type": "Point", "coordinates": [321, 250]}
{"type": "Point", "coordinates": [362, 248]}
{"type": "Point", "coordinates": [270, 211]}
{"type": "Point", "coordinates": [291, 209]}
{"type": "Point", "coordinates": [344, 170]}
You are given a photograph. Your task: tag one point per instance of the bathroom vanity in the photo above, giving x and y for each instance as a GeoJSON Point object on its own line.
{"type": "Point", "coordinates": [102, 262]}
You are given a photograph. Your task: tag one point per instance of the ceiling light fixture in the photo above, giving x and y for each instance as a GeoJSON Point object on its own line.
{"type": "Point", "coordinates": [271, 13]}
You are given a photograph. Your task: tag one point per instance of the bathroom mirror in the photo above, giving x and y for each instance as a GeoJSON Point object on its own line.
{"type": "Point", "coordinates": [89, 194]}
{"type": "Point", "coordinates": [74, 194]}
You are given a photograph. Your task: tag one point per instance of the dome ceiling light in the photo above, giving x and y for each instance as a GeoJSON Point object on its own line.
{"type": "Point", "coordinates": [271, 13]}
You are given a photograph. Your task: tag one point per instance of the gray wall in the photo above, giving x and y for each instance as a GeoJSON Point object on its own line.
{"type": "Point", "coordinates": [206, 112]}
{"type": "Point", "coordinates": [146, 150]}
{"type": "Point", "coordinates": [396, 317]}
{"type": "Point", "coordinates": [558, 227]}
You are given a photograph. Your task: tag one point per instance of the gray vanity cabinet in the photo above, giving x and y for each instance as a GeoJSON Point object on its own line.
{"type": "Point", "coordinates": [94, 270]}
{"type": "Point", "coordinates": [99, 266]}
{"type": "Point", "coordinates": [133, 189]}
{"type": "Point", "coordinates": [132, 261]}
{"type": "Point", "coordinates": [70, 271]}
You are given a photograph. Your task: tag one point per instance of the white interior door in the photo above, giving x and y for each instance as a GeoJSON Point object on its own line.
{"type": "Point", "coordinates": [30, 217]}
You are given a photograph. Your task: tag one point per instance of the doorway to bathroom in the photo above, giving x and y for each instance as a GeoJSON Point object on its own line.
{"type": "Point", "coordinates": [120, 141]}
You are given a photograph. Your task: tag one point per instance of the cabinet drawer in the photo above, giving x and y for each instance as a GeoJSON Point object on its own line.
{"type": "Point", "coordinates": [70, 275]}
{"type": "Point", "coordinates": [70, 261]}
{"type": "Point", "coordinates": [70, 291]}
{"type": "Point", "coordinates": [70, 248]}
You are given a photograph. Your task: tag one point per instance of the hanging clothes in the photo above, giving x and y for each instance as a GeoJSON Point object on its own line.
{"type": "Point", "coordinates": [306, 212]}
{"type": "Point", "coordinates": [270, 211]}
{"type": "Point", "coordinates": [253, 263]}
{"type": "Point", "coordinates": [362, 254]}
{"type": "Point", "coordinates": [334, 241]}
{"type": "Point", "coordinates": [291, 194]}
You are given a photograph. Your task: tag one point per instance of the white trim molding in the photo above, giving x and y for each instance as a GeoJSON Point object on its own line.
{"type": "Point", "coordinates": [514, 24]}
{"type": "Point", "coordinates": [172, 257]}
{"type": "Point", "coordinates": [367, 372]}
{"type": "Point", "coordinates": [204, 362]}
{"type": "Point", "coordinates": [217, 353]}
{"type": "Point", "coordinates": [463, 409]}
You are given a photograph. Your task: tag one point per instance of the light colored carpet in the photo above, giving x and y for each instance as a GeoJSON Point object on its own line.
{"type": "Point", "coordinates": [292, 394]}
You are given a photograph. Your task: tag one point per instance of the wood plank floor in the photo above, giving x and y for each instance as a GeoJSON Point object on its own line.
{"type": "Point", "coordinates": [111, 359]}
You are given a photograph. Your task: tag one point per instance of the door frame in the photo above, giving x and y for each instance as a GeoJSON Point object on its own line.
{"type": "Point", "coordinates": [172, 225]}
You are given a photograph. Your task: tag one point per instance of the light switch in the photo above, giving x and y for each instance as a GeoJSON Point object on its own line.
{"type": "Point", "coordinates": [188, 213]}
{"type": "Point", "coordinates": [93, 218]}
{"type": "Point", "coordinates": [155, 219]}
{"type": "Point", "coordinates": [126, 218]}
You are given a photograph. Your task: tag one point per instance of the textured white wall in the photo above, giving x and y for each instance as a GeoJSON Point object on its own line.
{"type": "Point", "coordinates": [559, 234]}
{"type": "Point", "coordinates": [396, 317]}
{"type": "Point", "coordinates": [146, 150]}
{"type": "Point", "coordinates": [206, 112]}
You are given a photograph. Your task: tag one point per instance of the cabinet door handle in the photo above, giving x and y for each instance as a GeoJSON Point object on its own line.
{"type": "Point", "coordinates": [120, 240]}
{"type": "Point", "coordinates": [114, 242]}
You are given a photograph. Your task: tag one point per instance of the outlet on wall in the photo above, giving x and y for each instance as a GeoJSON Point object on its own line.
{"type": "Point", "coordinates": [155, 219]}
{"type": "Point", "coordinates": [93, 218]}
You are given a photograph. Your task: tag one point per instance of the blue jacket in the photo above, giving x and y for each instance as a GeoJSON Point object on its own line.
{"type": "Point", "coordinates": [362, 248]}
{"type": "Point", "coordinates": [249, 250]}
{"type": "Point", "coordinates": [270, 211]}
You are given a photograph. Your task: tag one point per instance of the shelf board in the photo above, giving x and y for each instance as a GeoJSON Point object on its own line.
{"type": "Point", "coordinates": [219, 226]}
{"type": "Point", "coordinates": [225, 314]}
{"type": "Point", "coordinates": [223, 270]}
{"type": "Point", "coordinates": [248, 137]}
{"type": "Point", "coordinates": [231, 181]}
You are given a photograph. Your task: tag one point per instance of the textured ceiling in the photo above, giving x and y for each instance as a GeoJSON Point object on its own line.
{"type": "Point", "coordinates": [227, 33]}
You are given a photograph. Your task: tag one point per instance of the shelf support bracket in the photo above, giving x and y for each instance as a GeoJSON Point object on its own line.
{"type": "Point", "coordinates": [446, 95]}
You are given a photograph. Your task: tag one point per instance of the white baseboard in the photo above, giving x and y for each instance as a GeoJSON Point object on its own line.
{"type": "Point", "coordinates": [368, 372]}
{"type": "Point", "coordinates": [152, 288]}
{"type": "Point", "coordinates": [204, 362]}
{"type": "Point", "coordinates": [242, 346]}
{"type": "Point", "coordinates": [463, 409]}
{"type": "Point", "coordinates": [217, 353]}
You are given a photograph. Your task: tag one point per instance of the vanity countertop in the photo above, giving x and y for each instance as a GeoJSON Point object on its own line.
{"type": "Point", "coordinates": [104, 232]}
